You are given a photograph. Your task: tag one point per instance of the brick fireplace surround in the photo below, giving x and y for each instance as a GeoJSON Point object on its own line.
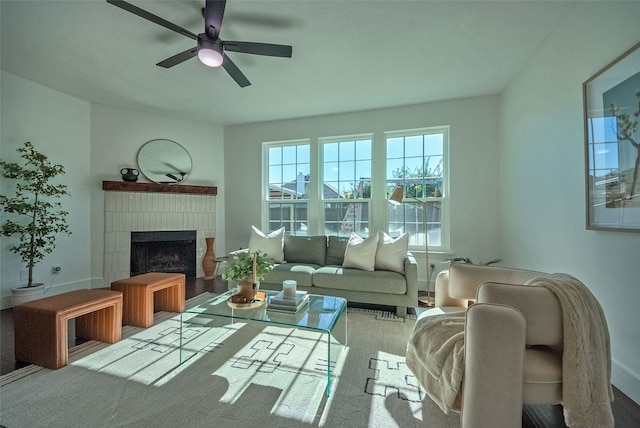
{"type": "Point", "coordinates": [142, 207]}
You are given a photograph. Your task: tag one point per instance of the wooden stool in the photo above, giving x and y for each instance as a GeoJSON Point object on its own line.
{"type": "Point", "coordinates": [41, 326]}
{"type": "Point", "coordinates": [149, 292]}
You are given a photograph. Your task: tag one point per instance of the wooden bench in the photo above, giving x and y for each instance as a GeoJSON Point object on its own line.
{"type": "Point", "coordinates": [149, 292]}
{"type": "Point", "coordinates": [41, 326]}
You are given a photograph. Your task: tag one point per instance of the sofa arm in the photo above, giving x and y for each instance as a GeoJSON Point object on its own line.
{"type": "Point", "coordinates": [494, 366]}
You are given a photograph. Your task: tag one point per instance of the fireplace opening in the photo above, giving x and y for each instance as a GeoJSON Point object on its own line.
{"type": "Point", "coordinates": [164, 251]}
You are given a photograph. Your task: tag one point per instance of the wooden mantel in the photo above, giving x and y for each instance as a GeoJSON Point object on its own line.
{"type": "Point", "coordinates": [129, 186]}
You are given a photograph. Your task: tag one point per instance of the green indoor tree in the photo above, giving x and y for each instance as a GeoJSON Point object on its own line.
{"type": "Point", "coordinates": [33, 213]}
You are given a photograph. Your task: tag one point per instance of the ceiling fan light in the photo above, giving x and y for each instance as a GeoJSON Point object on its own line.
{"type": "Point", "coordinates": [210, 51]}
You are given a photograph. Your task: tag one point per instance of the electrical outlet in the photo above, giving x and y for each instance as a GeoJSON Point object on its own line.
{"type": "Point", "coordinates": [56, 270]}
{"type": "Point", "coordinates": [24, 275]}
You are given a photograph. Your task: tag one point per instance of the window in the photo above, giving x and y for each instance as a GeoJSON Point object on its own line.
{"type": "Point", "coordinates": [339, 185]}
{"type": "Point", "coordinates": [346, 188]}
{"type": "Point", "coordinates": [417, 161]}
{"type": "Point", "coordinates": [287, 194]}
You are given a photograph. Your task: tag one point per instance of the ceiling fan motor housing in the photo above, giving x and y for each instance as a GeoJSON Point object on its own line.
{"type": "Point", "coordinates": [209, 51]}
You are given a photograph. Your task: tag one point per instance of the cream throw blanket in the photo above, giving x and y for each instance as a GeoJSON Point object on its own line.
{"type": "Point", "coordinates": [586, 357]}
{"type": "Point", "coordinates": [435, 354]}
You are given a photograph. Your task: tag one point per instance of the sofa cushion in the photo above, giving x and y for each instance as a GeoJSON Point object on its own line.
{"type": "Point", "coordinates": [272, 244]}
{"type": "Point", "coordinates": [392, 252]}
{"type": "Point", "coordinates": [335, 250]}
{"type": "Point", "coordinates": [301, 273]}
{"type": "Point", "coordinates": [360, 252]}
{"type": "Point", "coordinates": [305, 249]}
{"type": "Point", "coordinates": [339, 278]}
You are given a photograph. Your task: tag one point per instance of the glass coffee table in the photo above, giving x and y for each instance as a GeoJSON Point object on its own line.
{"type": "Point", "coordinates": [325, 314]}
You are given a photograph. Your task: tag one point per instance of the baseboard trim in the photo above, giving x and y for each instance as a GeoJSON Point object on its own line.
{"type": "Point", "coordinates": [626, 380]}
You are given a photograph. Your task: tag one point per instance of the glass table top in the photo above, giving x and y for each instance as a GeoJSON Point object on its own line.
{"type": "Point", "coordinates": [322, 313]}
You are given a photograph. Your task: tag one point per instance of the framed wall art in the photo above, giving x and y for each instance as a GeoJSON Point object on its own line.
{"type": "Point", "coordinates": [612, 144]}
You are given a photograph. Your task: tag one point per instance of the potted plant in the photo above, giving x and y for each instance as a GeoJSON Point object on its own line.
{"type": "Point", "coordinates": [248, 269]}
{"type": "Point", "coordinates": [33, 212]}
{"type": "Point", "coordinates": [468, 260]}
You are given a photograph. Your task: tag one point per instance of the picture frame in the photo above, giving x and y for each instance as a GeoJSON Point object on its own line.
{"type": "Point", "coordinates": [611, 99]}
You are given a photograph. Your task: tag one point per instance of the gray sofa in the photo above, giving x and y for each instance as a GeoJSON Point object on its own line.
{"type": "Point", "coordinates": [315, 262]}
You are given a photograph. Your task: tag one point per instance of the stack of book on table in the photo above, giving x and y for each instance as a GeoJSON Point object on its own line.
{"type": "Point", "coordinates": [278, 303]}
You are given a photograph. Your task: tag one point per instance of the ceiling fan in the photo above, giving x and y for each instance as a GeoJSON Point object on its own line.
{"type": "Point", "coordinates": [209, 47]}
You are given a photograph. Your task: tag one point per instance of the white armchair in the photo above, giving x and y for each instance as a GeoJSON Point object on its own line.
{"type": "Point", "coordinates": [513, 344]}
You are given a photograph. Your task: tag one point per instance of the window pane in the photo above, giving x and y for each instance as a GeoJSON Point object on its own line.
{"type": "Point", "coordinates": [408, 217]}
{"type": "Point", "coordinates": [288, 168]}
{"type": "Point", "coordinates": [288, 171]}
{"type": "Point", "coordinates": [291, 216]}
{"type": "Point", "coordinates": [342, 218]}
{"type": "Point", "coordinates": [275, 155]}
{"type": "Point", "coordinates": [330, 152]}
{"type": "Point", "coordinates": [363, 149]}
{"type": "Point", "coordinates": [331, 171]}
{"type": "Point", "coordinates": [275, 174]}
{"type": "Point", "coordinates": [413, 146]}
{"type": "Point", "coordinates": [289, 154]}
{"type": "Point", "coordinates": [395, 148]}
{"type": "Point", "coordinates": [304, 154]}
{"type": "Point", "coordinates": [347, 169]}
{"type": "Point", "coordinates": [347, 151]}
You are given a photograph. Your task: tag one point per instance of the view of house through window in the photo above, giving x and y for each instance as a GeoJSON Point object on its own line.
{"type": "Point", "coordinates": [341, 200]}
{"type": "Point", "coordinates": [288, 175]}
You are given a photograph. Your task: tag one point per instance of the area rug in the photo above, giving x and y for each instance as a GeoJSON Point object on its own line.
{"type": "Point", "coordinates": [234, 374]}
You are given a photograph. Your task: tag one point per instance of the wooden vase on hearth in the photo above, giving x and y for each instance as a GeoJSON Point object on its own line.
{"type": "Point", "coordinates": [209, 260]}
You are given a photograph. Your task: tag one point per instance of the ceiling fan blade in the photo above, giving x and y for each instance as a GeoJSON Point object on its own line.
{"type": "Point", "coordinates": [151, 17]}
{"type": "Point", "coordinates": [267, 49]}
{"type": "Point", "coordinates": [178, 58]}
{"type": "Point", "coordinates": [235, 72]}
{"type": "Point", "coordinates": [213, 14]}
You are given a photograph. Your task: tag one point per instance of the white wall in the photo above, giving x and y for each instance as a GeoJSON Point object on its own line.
{"type": "Point", "coordinates": [116, 137]}
{"type": "Point", "coordinates": [474, 166]}
{"type": "Point", "coordinates": [542, 171]}
{"type": "Point", "coordinates": [93, 142]}
{"type": "Point", "coordinates": [58, 126]}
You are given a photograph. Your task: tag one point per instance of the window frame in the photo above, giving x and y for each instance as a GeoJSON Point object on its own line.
{"type": "Point", "coordinates": [322, 142]}
{"type": "Point", "coordinates": [378, 211]}
{"type": "Point", "coordinates": [267, 202]}
{"type": "Point", "coordinates": [444, 199]}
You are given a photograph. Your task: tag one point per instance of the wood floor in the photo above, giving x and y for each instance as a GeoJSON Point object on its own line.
{"type": "Point", "coordinates": [625, 410]}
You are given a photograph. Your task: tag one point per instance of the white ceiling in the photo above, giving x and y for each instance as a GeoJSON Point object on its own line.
{"type": "Point", "coordinates": [348, 55]}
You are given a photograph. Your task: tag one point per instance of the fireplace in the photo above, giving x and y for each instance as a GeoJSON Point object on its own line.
{"type": "Point", "coordinates": [164, 251]}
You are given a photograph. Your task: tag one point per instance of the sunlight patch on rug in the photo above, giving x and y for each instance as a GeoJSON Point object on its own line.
{"type": "Point", "coordinates": [390, 378]}
{"type": "Point", "coordinates": [152, 356]}
{"type": "Point", "coordinates": [291, 360]}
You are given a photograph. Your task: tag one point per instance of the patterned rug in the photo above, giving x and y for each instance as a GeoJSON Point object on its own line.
{"type": "Point", "coordinates": [233, 375]}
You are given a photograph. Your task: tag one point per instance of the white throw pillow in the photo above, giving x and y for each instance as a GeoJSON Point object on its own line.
{"type": "Point", "coordinates": [392, 252]}
{"type": "Point", "coordinates": [361, 253]}
{"type": "Point", "coordinates": [272, 244]}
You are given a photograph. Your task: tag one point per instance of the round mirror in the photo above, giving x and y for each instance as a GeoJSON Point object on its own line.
{"type": "Point", "coordinates": [164, 161]}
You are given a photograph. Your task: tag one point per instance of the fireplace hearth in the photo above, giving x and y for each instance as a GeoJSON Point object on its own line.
{"type": "Point", "coordinates": [164, 251]}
